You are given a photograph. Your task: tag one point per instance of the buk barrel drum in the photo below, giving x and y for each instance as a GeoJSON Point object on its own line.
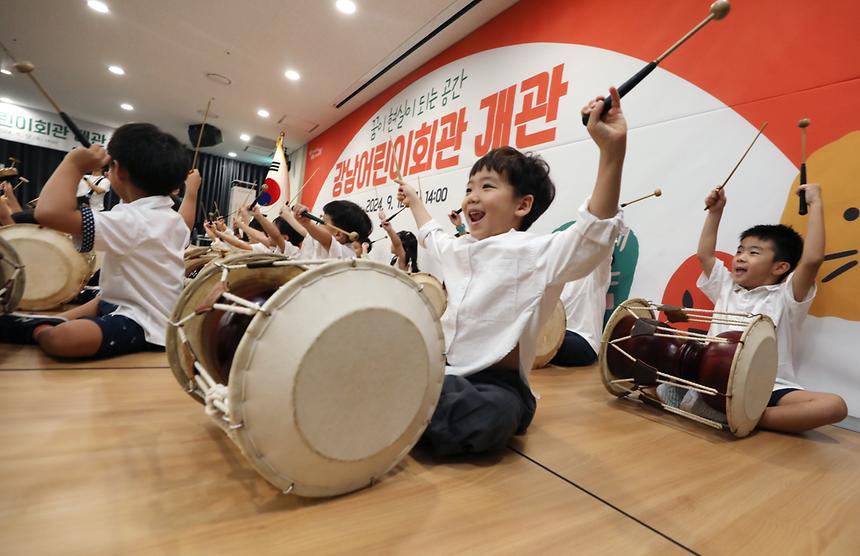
{"type": "Point", "coordinates": [56, 272]}
{"type": "Point", "coordinates": [734, 371]}
{"type": "Point", "coordinates": [430, 286]}
{"type": "Point", "coordinates": [551, 337]}
{"type": "Point", "coordinates": [12, 279]}
{"type": "Point", "coordinates": [337, 370]}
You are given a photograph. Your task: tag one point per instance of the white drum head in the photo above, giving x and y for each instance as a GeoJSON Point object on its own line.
{"type": "Point", "coordinates": [752, 376]}
{"type": "Point", "coordinates": [57, 271]}
{"type": "Point", "coordinates": [551, 337]}
{"type": "Point", "coordinates": [11, 282]}
{"type": "Point", "coordinates": [332, 389]}
{"type": "Point", "coordinates": [640, 308]}
{"type": "Point", "coordinates": [194, 295]}
{"type": "Point", "coordinates": [433, 289]}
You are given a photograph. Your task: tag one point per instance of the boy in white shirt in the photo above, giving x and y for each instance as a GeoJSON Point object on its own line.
{"type": "Point", "coordinates": [92, 189]}
{"type": "Point", "coordinates": [773, 273]}
{"type": "Point", "coordinates": [504, 282]}
{"type": "Point", "coordinates": [584, 306]}
{"type": "Point", "coordinates": [143, 240]}
{"type": "Point", "coordinates": [321, 242]}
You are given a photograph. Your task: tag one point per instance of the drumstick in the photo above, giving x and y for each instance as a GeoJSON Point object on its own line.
{"type": "Point", "coordinates": [764, 125]}
{"type": "Point", "coordinates": [263, 189]}
{"type": "Point", "coordinates": [20, 181]}
{"type": "Point", "coordinates": [420, 195]}
{"type": "Point", "coordinates": [200, 135]}
{"type": "Point", "coordinates": [217, 212]}
{"type": "Point", "coordinates": [657, 193]}
{"type": "Point", "coordinates": [14, 161]}
{"type": "Point", "coordinates": [353, 236]}
{"type": "Point", "coordinates": [27, 68]}
{"type": "Point", "coordinates": [299, 192]}
{"type": "Point", "coordinates": [803, 124]}
{"type": "Point", "coordinates": [718, 10]}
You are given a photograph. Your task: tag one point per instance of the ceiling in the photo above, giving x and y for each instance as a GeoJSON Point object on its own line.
{"type": "Point", "coordinates": [167, 47]}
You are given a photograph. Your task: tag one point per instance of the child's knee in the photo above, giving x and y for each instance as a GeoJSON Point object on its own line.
{"type": "Point", "coordinates": [52, 341]}
{"type": "Point", "coordinates": [836, 407]}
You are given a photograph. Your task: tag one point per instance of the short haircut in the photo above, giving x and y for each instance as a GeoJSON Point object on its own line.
{"type": "Point", "coordinates": [156, 161]}
{"type": "Point", "coordinates": [292, 235]}
{"type": "Point", "coordinates": [410, 247]}
{"type": "Point", "coordinates": [787, 243]}
{"type": "Point", "coordinates": [350, 217]}
{"type": "Point", "coordinates": [527, 173]}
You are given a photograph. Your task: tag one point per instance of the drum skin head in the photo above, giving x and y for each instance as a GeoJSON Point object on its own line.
{"type": "Point", "coordinates": [333, 389]}
{"type": "Point", "coordinates": [640, 308]}
{"type": "Point", "coordinates": [431, 287]}
{"type": "Point", "coordinates": [194, 294]}
{"type": "Point", "coordinates": [551, 337]}
{"type": "Point", "coordinates": [752, 376]}
{"type": "Point", "coordinates": [9, 260]}
{"type": "Point", "coordinates": [56, 270]}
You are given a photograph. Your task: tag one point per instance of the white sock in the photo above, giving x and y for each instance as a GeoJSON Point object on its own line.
{"type": "Point", "coordinates": [695, 404]}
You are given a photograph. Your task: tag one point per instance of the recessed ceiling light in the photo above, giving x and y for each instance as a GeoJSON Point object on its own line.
{"type": "Point", "coordinates": [263, 113]}
{"type": "Point", "coordinates": [245, 137]}
{"type": "Point", "coordinates": [5, 100]}
{"type": "Point", "coordinates": [100, 7]}
{"type": "Point", "coordinates": [292, 75]}
{"type": "Point", "coordinates": [4, 71]}
{"type": "Point", "coordinates": [231, 154]}
{"type": "Point", "coordinates": [346, 6]}
{"type": "Point", "coordinates": [116, 70]}
{"type": "Point", "coordinates": [126, 106]}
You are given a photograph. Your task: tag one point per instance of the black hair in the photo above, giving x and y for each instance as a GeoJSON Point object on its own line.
{"type": "Point", "coordinates": [255, 224]}
{"type": "Point", "coordinates": [527, 173]}
{"type": "Point", "coordinates": [787, 243]}
{"type": "Point", "coordinates": [410, 248]}
{"type": "Point", "coordinates": [349, 217]}
{"type": "Point", "coordinates": [156, 161]}
{"type": "Point", "coordinates": [284, 227]}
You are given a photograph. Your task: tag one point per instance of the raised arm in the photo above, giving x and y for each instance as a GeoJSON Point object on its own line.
{"type": "Point", "coordinates": [287, 214]}
{"type": "Point", "coordinates": [58, 207]}
{"type": "Point", "coordinates": [270, 229]}
{"type": "Point", "coordinates": [319, 233]}
{"type": "Point", "coordinates": [610, 135]}
{"type": "Point", "coordinates": [188, 208]}
{"type": "Point", "coordinates": [396, 245]}
{"type": "Point", "coordinates": [407, 195]}
{"type": "Point", "coordinates": [714, 202]}
{"type": "Point", "coordinates": [813, 244]}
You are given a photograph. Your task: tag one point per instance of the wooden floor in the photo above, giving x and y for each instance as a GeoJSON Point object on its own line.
{"type": "Point", "coordinates": [114, 458]}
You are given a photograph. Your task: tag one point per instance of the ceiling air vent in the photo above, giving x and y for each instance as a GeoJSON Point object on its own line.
{"type": "Point", "coordinates": [262, 146]}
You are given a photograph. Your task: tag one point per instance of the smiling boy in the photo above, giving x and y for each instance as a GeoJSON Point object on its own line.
{"type": "Point", "coordinates": [503, 282]}
{"type": "Point", "coordinates": [773, 273]}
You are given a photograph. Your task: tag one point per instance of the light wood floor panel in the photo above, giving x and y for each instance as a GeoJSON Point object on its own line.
{"type": "Point", "coordinates": [114, 462]}
{"type": "Point", "coordinates": [766, 494]}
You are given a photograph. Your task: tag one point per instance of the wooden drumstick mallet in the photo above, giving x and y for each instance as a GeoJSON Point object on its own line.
{"type": "Point", "coordinates": [299, 192]}
{"type": "Point", "coordinates": [353, 236]}
{"type": "Point", "coordinates": [200, 136]}
{"type": "Point", "coordinates": [21, 180]}
{"type": "Point", "coordinates": [803, 124]}
{"type": "Point", "coordinates": [263, 189]}
{"type": "Point", "coordinates": [27, 68]}
{"type": "Point", "coordinates": [718, 10]}
{"type": "Point", "coordinates": [657, 192]}
{"type": "Point", "coordinates": [743, 156]}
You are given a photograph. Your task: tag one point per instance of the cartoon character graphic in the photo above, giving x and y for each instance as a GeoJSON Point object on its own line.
{"type": "Point", "coordinates": [836, 167]}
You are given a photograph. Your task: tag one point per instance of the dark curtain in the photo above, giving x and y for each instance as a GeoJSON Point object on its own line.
{"type": "Point", "coordinates": [38, 163]}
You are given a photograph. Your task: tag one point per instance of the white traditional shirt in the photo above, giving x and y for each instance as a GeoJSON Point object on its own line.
{"type": "Point", "coordinates": [143, 271]}
{"type": "Point", "coordinates": [584, 303]}
{"type": "Point", "coordinates": [96, 200]}
{"type": "Point", "coordinates": [502, 288]}
{"type": "Point", "coordinates": [312, 249]}
{"type": "Point", "coordinates": [775, 301]}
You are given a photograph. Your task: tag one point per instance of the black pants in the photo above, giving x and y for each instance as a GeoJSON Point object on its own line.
{"type": "Point", "coordinates": [479, 413]}
{"type": "Point", "coordinates": [575, 352]}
